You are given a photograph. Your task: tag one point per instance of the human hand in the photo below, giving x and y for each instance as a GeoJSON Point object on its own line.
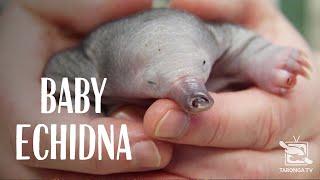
{"type": "Point", "coordinates": [32, 31]}
{"type": "Point", "coordinates": [243, 128]}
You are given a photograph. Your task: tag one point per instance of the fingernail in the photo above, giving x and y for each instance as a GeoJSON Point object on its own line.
{"type": "Point", "coordinates": [120, 115]}
{"type": "Point", "coordinates": [172, 125]}
{"type": "Point", "coordinates": [146, 154]}
{"type": "Point", "coordinates": [128, 113]}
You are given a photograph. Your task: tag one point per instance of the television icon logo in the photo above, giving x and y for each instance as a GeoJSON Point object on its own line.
{"type": "Point", "coordinates": [296, 153]}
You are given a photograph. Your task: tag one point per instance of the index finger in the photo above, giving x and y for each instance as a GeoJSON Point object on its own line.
{"type": "Point", "coordinates": [261, 16]}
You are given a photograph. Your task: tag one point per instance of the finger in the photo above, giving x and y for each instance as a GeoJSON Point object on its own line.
{"type": "Point", "coordinates": [261, 16]}
{"type": "Point", "coordinates": [248, 118]}
{"type": "Point", "coordinates": [238, 11]}
{"type": "Point", "coordinates": [84, 15]}
{"type": "Point", "coordinates": [147, 175]}
{"type": "Point", "coordinates": [244, 164]}
{"type": "Point", "coordinates": [146, 153]}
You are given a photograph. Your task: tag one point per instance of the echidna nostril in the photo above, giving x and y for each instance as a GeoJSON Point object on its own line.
{"type": "Point", "coordinates": [199, 102]}
{"type": "Point", "coordinates": [191, 94]}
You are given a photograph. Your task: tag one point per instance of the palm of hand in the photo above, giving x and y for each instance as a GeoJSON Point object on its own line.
{"type": "Point", "coordinates": [293, 115]}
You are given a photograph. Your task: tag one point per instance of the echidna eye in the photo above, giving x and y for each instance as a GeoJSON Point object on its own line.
{"type": "Point", "coordinates": [204, 62]}
{"type": "Point", "coordinates": [152, 83]}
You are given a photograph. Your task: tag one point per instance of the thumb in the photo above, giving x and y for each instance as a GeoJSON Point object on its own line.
{"type": "Point", "coordinates": [246, 119]}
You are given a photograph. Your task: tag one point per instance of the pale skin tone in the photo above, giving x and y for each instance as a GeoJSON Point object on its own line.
{"type": "Point", "coordinates": [247, 124]}
{"type": "Point", "coordinates": [31, 32]}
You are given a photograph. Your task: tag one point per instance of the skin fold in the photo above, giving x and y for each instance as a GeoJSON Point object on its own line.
{"type": "Point", "coordinates": [165, 53]}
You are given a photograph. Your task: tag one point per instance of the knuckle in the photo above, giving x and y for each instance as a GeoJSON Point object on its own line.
{"type": "Point", "coordinates": [270, 128]}
{"type": "Point", "coordinates": [274, 129]}
{"type": "Point", "coordinates": [218, 126]}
